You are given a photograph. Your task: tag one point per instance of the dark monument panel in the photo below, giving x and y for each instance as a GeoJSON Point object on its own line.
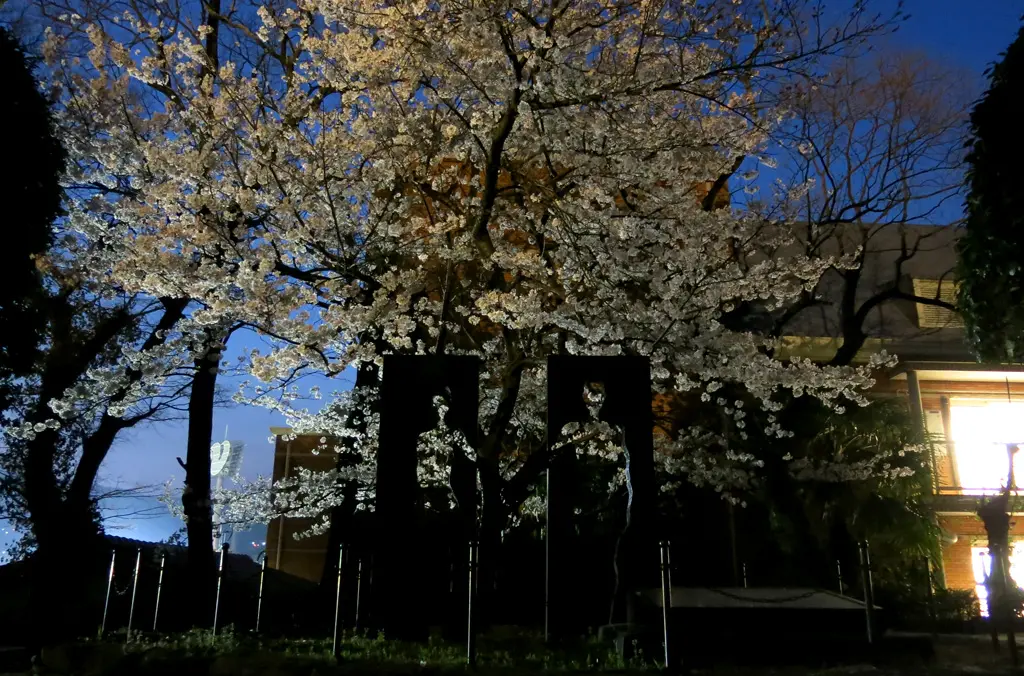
{"type": "Point", "coordinates": [627, 406]}
{"type": "Point", "coordinates": [408, 388]}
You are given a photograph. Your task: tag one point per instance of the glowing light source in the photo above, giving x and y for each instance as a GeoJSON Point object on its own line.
{"type": "Point", "coordinates": [981, 565]}
{"type": "Point", "coordinates": [980, 433]}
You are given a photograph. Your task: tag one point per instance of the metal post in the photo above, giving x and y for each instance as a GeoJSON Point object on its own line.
{"type": "Point", "coordinates": [369, 583]}
{"type": "Point", "coordinates": [839, 575]}
{"type": "Point", "coordinates": [106, 603]}
{"type": "Point", "coordinates": [744, 575]}
{"type": "Point", "coordinates": [666, 598]}
{"type": "Point", "coordinates": [547, 559]}
{"type": "Point", "coordinates": [869, 592]}
{"type": "Point", "coordinates": [259, 598]}
{"type": "Point", "coordinates": [470, 629]}
{"type": "Point", "coordinates": [220, 578]}
{"type": "Point", "coordinates": [359, 590]}
{"type": "Point", "coordinates": [135, 587]}
{"type": "Point", "coordinates": [337, 601]}
{"type": "Point", "coordinates": [159, 587]}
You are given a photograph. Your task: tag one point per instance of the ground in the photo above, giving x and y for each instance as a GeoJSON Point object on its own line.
{"type": "Point", "coordinates": [229, 655]}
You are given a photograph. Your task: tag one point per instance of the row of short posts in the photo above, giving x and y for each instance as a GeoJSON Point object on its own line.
{"type": "Point", "coordinates": [336, 646]}
{"type": "Point", "coordinates": [665, 555]}
{"type": "Point", "coordinates": [472, 574]}
{"type": "Point", "coordinates": [867, 584]}
{"type": "Point", "coordinates": [135, 589]}
{"type": "Point", "coordinates": [159, 591]}
{"type": "Point", "coordinates": [473, 566]}
{"type": "Point", "coordinates": [471, 606]}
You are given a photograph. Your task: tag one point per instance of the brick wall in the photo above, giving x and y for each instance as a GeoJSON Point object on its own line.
{"type": "Point", "coordinates": [970, 532]}
{"type": "Point", "coordinates": [303, 558]}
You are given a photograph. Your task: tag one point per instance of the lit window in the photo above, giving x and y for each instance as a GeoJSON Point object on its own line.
{"type": "Point", "coordinates": [935, 316]}
{"type": "Point", "coordinates": [980, 433]}
{"type": "Point", "coordinates": [981, 564]}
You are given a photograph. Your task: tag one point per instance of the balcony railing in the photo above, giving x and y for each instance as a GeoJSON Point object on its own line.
{"type": "Point", "coordinates": [966, 491]}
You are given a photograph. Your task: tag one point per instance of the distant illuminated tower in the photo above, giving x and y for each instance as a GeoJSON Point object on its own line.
{"type": "Point", "coordinates": [225, 461]}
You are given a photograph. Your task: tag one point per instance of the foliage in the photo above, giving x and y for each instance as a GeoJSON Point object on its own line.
{"type": "Point", "coordinates": [891, 504]}
{"type": "Point", "coordinates": [508, 181]}
{"type": "Point", "coordinates": [957, 605]}
{"type": "Point", "coordinates": [83, 358]}
{"type": "Point", "coordinates": [497, 649]}
{"type": "Point", "coordinates": [842, 478]}
{"type": "Point", "coordinates": [991, 296]}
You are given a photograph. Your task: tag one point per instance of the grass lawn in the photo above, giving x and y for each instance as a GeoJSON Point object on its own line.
{"type": "Point", "coordinates": [229, 654]}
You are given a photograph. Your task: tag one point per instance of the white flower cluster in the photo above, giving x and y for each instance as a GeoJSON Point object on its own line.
{"type": "Point", "coordinates": [702, 458]}
{"type": "Point", "coordinates": [880, 466]}
{"type": "Point", "coordinates": [27, 431]}
{"type": "Point", "coordinates": [456, 177]}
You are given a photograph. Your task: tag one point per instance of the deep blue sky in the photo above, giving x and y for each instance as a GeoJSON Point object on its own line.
{"type": "Point", "coordinates": [961, 34]}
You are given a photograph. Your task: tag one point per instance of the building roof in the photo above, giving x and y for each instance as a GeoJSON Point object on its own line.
{"type": "Point", "coordinates": [929, 254]}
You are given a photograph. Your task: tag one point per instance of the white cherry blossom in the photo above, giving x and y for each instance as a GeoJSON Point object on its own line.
{"type": "Point", "coordinates": [505, 180]}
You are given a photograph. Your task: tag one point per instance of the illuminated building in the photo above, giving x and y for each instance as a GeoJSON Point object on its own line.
{"type": "Point", "coordinates": [968, 410]}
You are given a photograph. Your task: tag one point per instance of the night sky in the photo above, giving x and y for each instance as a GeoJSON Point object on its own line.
{"type": "Point", "coordinates": [960, 34]}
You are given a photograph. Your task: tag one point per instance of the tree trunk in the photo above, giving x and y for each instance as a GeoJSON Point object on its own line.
{"type": "Point", "coordinates": [196, 497]}
{"type": "Point", "coordinates": [492, 523]}
{"type": "Point", "coordinates": [64, 518]}
{"type": "Point", "coordinates": [66, 540]}
{"type": "Point", "coordinates": [43, 499]}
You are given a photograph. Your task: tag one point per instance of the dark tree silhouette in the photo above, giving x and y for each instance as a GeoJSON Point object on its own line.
{"type": "Point", "coordinates": [991, 296]}
{"type": "Point", "coordinates": [196, 499]}
{"type": "Point", "coordinates": [55, 329]}
{"type": "Point", "coordinates": [32, 202]}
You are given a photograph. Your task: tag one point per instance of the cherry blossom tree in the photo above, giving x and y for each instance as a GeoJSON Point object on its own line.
{"type": "Point", "coordinates": [879, 142]}
{"type": "Point", "coordinates": [508, 180]}
{"type": "Point", "coordinates": [84, 360]}
{"type": "Point", "coordinates": [104, 366]}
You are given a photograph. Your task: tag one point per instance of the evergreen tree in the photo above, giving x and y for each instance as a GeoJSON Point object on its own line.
{"type": "Point", "coordinates": [991, 266]}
